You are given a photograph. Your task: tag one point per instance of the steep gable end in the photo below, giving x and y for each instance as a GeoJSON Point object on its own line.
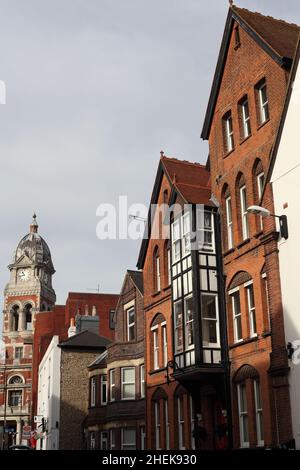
{"type": "Point", "coordinates": [276, 37]}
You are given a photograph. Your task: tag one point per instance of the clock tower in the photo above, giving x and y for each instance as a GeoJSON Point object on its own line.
{"type": "Point", "coordinates": [28, 291]}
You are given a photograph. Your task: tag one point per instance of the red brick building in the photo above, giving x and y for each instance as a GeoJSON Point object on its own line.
{"type": "Point", "coordinates": [186, 396]}
{"type": "Point", "coordinates": [242, 118]}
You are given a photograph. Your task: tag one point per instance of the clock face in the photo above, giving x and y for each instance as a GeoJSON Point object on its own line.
{"type": "Point", "coordinates": [24, 275]}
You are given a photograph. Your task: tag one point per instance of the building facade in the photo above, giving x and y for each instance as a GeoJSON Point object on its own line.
{"type": "Point", "coordinates": [241, 122]}
{"type": "Point", "coordinates": [116, 418]}
{"type": "Point", "coordinates": [186, 360]}
{"type": "Point", "coordinates": [28, 292]}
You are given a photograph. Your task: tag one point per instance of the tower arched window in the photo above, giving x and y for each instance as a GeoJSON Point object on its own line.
{"type": "Point", "coordinates": [28, 317]}
{"type": "Point", "coordinates": [15, 318]}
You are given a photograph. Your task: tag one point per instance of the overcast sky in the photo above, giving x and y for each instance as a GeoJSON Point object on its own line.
{"type": "Point", "coordinates": [95, 89]}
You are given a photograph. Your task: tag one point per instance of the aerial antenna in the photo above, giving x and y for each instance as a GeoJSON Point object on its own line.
{"type": "Point", "coordinates": [94, 290]}
{"type": "Point", "coordinates": [137, 217]}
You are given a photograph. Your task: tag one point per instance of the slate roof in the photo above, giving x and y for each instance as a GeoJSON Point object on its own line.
{"type": "Point", "coordinates": [189, 180]}
{"type": "Point", "coordinates": [85, 340]}
{"type": "Point", "coordinates": [137, 277]}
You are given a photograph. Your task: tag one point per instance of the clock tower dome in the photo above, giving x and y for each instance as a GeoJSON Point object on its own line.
{"type": "Point", "coordinates": [28, 291]}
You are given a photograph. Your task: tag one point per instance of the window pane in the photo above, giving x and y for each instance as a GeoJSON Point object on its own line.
{"type": "Point", "coordinates": [178, 318]}
{"type": "Point", "coordinates": [189, 317]}
{"type": "Point", "coordinates": [128, 375]}
{"type": "Point", "coordinates": [128, 391]}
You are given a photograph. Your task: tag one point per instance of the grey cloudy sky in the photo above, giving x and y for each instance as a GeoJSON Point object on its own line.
{"type": "Point", "coordinates": [95, 89]}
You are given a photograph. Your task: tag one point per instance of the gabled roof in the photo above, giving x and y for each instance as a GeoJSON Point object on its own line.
{"type": "Point", "coordinates": [276, 37]}
{"type": "Point", "coordinates": [191, 181]}
{"type": "Point", "coordinates": [137, 278]}
{"type": "Point", "coordinates": [85, 340]}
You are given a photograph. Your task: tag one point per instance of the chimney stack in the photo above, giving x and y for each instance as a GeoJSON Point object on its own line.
{"type": "Point", "coordinates": [72, 328]}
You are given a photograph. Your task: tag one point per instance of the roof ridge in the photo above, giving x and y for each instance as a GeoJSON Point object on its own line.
{"type": "Point", "coordinates": [279, 20]}
{"type": "Point", "coordinates": [185, 162]}
{"type": "Point", "coordinates": [192, 185]}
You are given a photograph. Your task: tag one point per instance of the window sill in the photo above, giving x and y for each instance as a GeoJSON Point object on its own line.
{"type": "Point", "coordinates": [167, 288]}
{"type": "Point", "coordinates": [244, 341]}
{"type": "Point", "coordinates": [245, 139]}
{"type": "Point", "coordinates": [266, 334]}
{"type": "Point", "coordinates": [258, 234]}
{"type": "Point", "coordinates": [156, 293]}
{"type": "Point", "coordinates": [263, 124]}
{"type": "Point", "coordinates": [228, 252]}
{"type": "Point", "coordinates": [244, 242]}
{"type": "Point", "coordinates": [157, 371]}
{"type": "Point", "coordinates": [228, 153]}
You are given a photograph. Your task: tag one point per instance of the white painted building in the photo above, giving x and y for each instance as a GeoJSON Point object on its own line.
{"type": "Point", "coordinates": [285, 177]}
{"type": "Point", "coordinates": [48, 405]}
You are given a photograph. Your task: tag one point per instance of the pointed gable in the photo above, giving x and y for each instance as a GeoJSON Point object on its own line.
{"type": "Point", "coordinates": [276, 37]}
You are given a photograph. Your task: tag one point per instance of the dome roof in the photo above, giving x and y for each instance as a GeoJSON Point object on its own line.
{"type": "Point", "coordinates": [34, 246]}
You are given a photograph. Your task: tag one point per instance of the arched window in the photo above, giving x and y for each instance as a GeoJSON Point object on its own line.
{"type": "Point", "coordinates": [241, 287]}
{"type": "Point", "coordinates": [16, 379]}
{"type": "Point", "coordinates": [159, 342]}
{"type": "Point", "coordinates": [167, 263]}
{"type": "Point", "coordinates": [249, 401]}
{"type": "Point", "coordinates": [242, 204]}
{"type": "Point", "coordinates": [28, 317]}
{"type": "Point", "coordinates": [228, 223]}
{"type": "Point", "coordinates": [160, 419]}
{"type": "Point", "coordinates": [258, 185]}
{"type": "Point", "coordinates": [156, 270]}
{"type": "Point", "coordinates": [15, 317]}
{"type": "Point", "coordinates": [180, 413]}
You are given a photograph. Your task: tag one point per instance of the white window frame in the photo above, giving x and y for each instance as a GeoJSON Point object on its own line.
{"type": "Point", "coordinates": [130, 325]}
{"type": "Point", "coordinates": [93, 440]}
{"type": "Point", "coordinates": [169, 266]}
{"type": "Point", "coordinates": [229, 133]}
{"type": "Point", "coordinates": [157, 424]}
{"type": "Point", "coordinates": [235, 314]}
{"type": "Point", "coordinates": [112, 439]}
{"type": "Point", "coordinates": [142, 380]}
{"type": "Point", "coordinates": [19, 348]}
{"type": "Point", "coordinates": [93, 392]}
{"type": "Point", "coordinates": [260, 184]}
{"type": "Point", "coordinates": [263, 105]}
{"type": "Point", "coordinates": [112, 384]}
{"type": "Point", "coordinates": [180, 423]}
{"type": "Point", "coordinates": [217, 321]}
{"type": "Point", "coordinates": [258, 413]}
{"type": "Point", "coordinates": [154, 330]}
{"type": "Point", "coordinates": [246, 119]}
{"type": "Point", "coordinates": [242, 413]}
{"type": "Point", "coordinates": [123, 383]}
{"type": "Point", "coordinates": [229, 222]}
{"type": "Point", "coordinates": [192, 418]}
{"type": "Point", "coordinates": [164, 343]}
{"type": "Point", "coordinates": [244, 213]}
{"type": "Point", "coordinates": [143, 437]}
{"type": "Point", "coordinates": [202, 229]}
{"type": "Point", "coordinates": [157, 269]}
{"type": "Point", "coordinates": [167, 424]}
{"type": "Point", "coordinates": [186, 234]}
{"type": "Point", "coordinates": [104, 440]}
{"type": "Point", "coordinates": [265, 280]}
{"type": "Point", "coordinates": [187, 323]}
{"type": "Point", "coordinates": [131, 444]}
{"type": "Point", "coordinates": [103, 383]}
{"type": "Point", "coordinates": [176, 240]}
{"type": "Point", "coordinates": [251, 309]}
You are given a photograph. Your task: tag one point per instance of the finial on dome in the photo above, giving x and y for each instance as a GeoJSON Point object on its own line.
{"type": "Point", "coordinates": [230, 3]}
{"type": "Point", "coordinates": [34, 225]}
